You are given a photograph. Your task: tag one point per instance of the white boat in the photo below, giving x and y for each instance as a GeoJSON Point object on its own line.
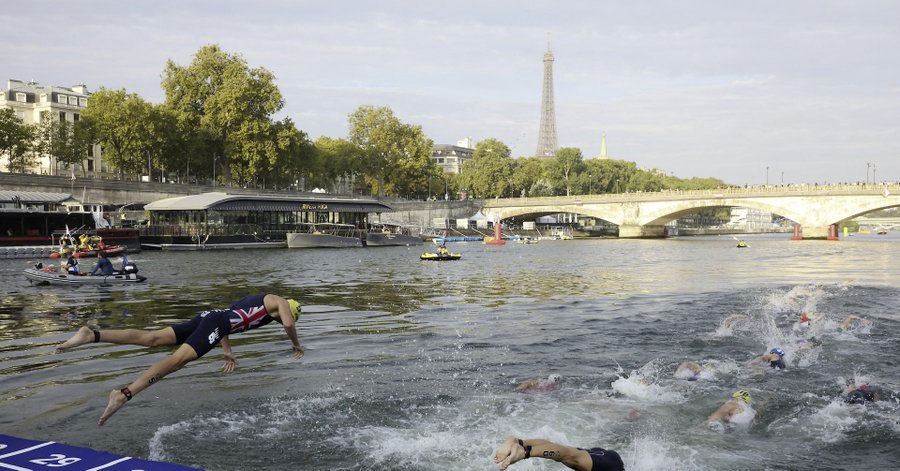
{"type": "Point", "coordinates": [393, 234]}
{"type": "Point", "coordinates": [52, 276]}
{"type": "Point", "coordinates": [324, 235]}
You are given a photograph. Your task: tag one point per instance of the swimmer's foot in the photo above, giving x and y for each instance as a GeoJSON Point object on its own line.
{"type": "Point", "coordinates": [116, 400]}
{"type": "Point", "coordinates": [83, 336]}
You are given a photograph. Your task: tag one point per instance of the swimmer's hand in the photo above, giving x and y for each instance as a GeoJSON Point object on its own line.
{"type": "Point", "coordinates": [230, 363]}
{"type": "Point", "coordinates": [298, 351]}
{"type": "Point", "coordinates": [509, 453]}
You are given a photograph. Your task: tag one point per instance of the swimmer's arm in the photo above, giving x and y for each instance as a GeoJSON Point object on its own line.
{"type": "Point", "coordinates": [282, 310]}
{"type": "Point", "coordinates": [230, 360]}
{"type": "Point", "coordinates": [722, 414]}
{"type": "Point", "coordinates": [817, 318]}
{"type": "Point", "coordinates": [569, 456]}
{"type": "Point", "coordinates": [759, 359]}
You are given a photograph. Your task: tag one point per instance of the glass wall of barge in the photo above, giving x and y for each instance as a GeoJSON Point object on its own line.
{"type": "Point", "coordinates": [273, 224]}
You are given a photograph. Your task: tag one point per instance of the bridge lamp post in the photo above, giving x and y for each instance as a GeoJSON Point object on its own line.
{"type": "Point", "coordinates": [868, 166]}
{"type": "Point", "coordinates": [767, 176]}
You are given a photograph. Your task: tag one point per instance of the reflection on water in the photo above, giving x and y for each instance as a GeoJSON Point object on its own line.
{"type": "Point", "coordinates": [411, 364]}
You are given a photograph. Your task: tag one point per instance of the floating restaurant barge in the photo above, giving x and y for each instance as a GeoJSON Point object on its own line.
{"type": "Point", "coordinates": [230, 221]}
{"type": "Point", "coordinates": [31, 224]}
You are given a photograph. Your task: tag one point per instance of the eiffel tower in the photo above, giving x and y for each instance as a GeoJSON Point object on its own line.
{"type": "Point", "coordinates": [547, 143]}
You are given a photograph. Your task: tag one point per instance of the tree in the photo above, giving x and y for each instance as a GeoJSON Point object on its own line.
{"type": "Point", "coordinates": [396, 156]}
{"type": "Point", "coordinates": [15, 141]}
{"type": "Point", "coordinates": [568, 161]}
{"type": "Point", "coordinates": [489, 172]}
{"type": "Point", "coordinates": [526, 172]}
{"type": "Point", "coordinates": [230, 101]}
{"type": "Point", "coordinates": [338, 161]}
{"type": "Point", "coordinates": [62, 141]}
{"type": "Point", "coordinates": [128, 129]}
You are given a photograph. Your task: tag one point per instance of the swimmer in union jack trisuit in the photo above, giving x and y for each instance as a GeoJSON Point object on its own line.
{"type": "Point", "coordinates": [196, 337]}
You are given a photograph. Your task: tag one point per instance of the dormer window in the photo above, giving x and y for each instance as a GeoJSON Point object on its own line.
{"type": "Point", "coordinates": [20, 97]}
{"type": "Point", "coordinates": [62, 99]}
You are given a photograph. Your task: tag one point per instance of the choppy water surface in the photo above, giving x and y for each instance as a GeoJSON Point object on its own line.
{"type": "Point", "coordinates": [412, 365]}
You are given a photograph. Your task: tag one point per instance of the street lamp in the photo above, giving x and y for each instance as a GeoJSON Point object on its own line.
{"type": "Point", "coordinates": [215, 158]}
{"type": "Point", "coordinates": [590, 184]}
{"type": "Point", "coordinates": [868, 166]}
{"type": "Point", "coordinates": [767, 176]}
{"type": "Point", "coordinates": [873, 173]}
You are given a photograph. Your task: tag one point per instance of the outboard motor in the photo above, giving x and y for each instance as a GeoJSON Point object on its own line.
{"type": "Point", "coordinates": [129, 267]}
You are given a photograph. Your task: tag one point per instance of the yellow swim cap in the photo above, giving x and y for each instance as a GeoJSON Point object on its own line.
{"type": "Point", "coordinates": [742, 395]}
{"type": "Point", "coordinates": [295, 308]}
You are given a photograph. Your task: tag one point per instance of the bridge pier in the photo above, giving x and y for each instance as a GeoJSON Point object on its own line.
{"type": "Point", "coordinates": [634, 231]}
{"type": "Point", "coordinates": [819, 232]}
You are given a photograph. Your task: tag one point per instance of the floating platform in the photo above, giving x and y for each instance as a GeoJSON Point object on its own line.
{"type": "Point", "coordinates": [32, 455]}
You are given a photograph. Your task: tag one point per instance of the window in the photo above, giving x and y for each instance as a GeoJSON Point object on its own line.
{"type": "Point", "coordinates": [62, 99]}
{"type": "Point", "coordinates": [62, 116]}
{"type": "Point", "coordinates": [43, 98]}
{"type": "Point", "coordinates": [90, 151]}
{"type": "Point", "coordinates": [20, 97]}
{"type": "Point", "coordinates": [20, 115]}
{"type": "Point", "coordinates": [73, 100]}
{"type": "Point", "coordinates": [76, 117]}
{"type": "Point", "coordinates": [90, 165]}
{"type": "Point", "coordinates": [82, 102]}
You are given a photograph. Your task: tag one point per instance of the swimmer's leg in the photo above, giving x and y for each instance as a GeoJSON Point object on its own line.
{"type": "Point", "coordinates": [147, 338]}
{"type": "Point", "coordinates": [158, 371]}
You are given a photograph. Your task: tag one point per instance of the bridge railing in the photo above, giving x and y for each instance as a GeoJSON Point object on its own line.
{"type": "Point", "coordinates": [770, 190]}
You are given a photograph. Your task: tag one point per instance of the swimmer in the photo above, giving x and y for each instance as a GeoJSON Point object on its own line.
{"type": "Point", "coordinates": [579, 459]}
{"type": "Point", "coordinates": [775, 358]}
{"type": "Point", "coordinates": [195, 337]}
{"type": "Point", "coordinates": [738, 410]}
{"type": "Point", "coordinates": [551, 383]}
{"type": "Point", "coordinates": [733, 318]}
{"type": "Point", "coordinates": [691, 371]}
{"type": "Point", "coordinates": [859, 394]}
{"type": "Point", "coordinates": [806, 321]}
{"type": "Point", "coordinates": [845, 324]}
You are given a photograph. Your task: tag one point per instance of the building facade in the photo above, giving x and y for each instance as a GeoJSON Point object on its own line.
{"type": "Point", "coordinates": [450, 158]}
{"type": "Point", "coordinates": [31, 101]}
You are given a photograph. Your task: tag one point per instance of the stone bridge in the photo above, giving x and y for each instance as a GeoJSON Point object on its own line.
{"type": "Point", "coordinates": [813, 208]}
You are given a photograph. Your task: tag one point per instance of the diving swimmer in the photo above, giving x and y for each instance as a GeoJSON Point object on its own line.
{"type": "Point", "coordinates": [195, 338]}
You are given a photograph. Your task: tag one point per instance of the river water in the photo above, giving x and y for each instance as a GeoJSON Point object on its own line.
{"type": "Point", "coordinates": [412, 365]}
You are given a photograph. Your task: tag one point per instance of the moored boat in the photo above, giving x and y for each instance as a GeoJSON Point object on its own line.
{"type": "Point", "coordinates": [324, 235]}
{"type": "Point", "coordinates": [32, 224]}
{"type": "Point", "coordinates": [392, 234]}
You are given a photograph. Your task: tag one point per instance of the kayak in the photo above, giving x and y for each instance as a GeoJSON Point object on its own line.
{"type": "Point", "coordinates": [440, 258]}
{"type": "Point", "coordinates": [110, 251]}
{"type": "Point", "coordinates": [51, 276]}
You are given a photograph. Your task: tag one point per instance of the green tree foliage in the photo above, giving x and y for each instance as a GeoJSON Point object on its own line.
{"type": "Point", "coordinates": [15, 141]}
{"type": "Point", "coordinates": [337, 162]}
{"type": "Point", "coordinates": [396, 156]}
{"type": "Point", "coordinates": [233, 103]}
{"type": "Point", "coordinates": [128, 128]}
{"type": "Point", "coordinates": [62, 141]}
{"type": "Point", "coordinates": [527, 171]}
{"type": "Point", "coordinates": [489, 173]}
{"type": "Point", "coordinates": [568, 162]}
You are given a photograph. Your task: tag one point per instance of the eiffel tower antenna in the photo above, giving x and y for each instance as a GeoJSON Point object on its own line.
{"type": "Point", "coordinates": [547, 141]}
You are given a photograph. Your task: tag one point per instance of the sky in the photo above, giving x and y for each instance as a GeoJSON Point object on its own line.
{"type": "Point", "coordinates": [768, 91]}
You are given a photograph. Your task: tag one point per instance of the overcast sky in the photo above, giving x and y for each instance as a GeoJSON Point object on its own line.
{"type": "Point", "coordinates": [792, 91]}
